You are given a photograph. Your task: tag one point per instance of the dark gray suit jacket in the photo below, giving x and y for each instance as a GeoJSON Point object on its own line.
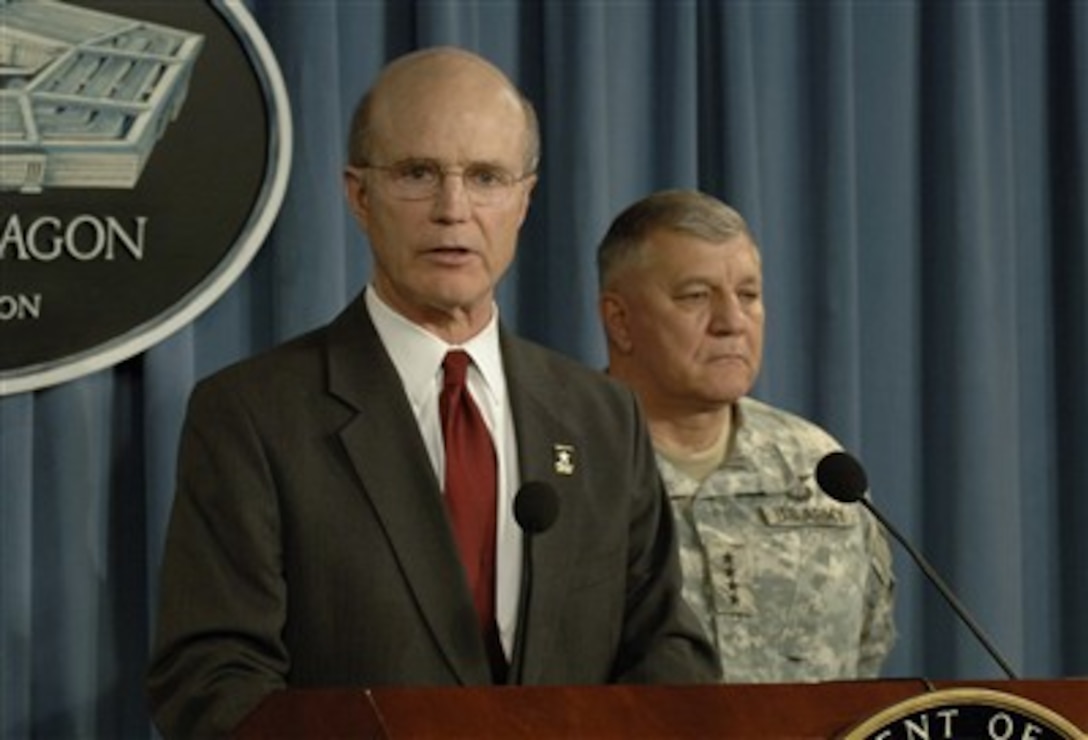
{"type": "Point", "coordinates": [308, 543]}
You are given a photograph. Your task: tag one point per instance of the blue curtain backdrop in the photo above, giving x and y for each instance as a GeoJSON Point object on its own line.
{"type": "Point", "coordinates": [915, 174]}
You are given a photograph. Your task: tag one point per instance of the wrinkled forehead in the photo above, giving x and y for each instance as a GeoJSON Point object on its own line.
{"type": "Point", "coordinates": [676, 259]}
{"type": "Point", "coordinates": [680, 245]}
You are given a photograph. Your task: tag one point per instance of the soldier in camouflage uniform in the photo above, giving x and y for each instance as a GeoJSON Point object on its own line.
{"type": "Point", "coordinates": [790, 585]}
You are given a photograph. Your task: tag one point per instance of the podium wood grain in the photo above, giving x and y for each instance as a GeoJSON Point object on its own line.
{"type": "Point", "coordinates": [764, 711]}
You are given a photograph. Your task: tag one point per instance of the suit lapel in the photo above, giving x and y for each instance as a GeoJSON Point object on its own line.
{"type": "Point", "coordinates": [543, 442]}
{"type": "Point", "coordinates": [384, 445]}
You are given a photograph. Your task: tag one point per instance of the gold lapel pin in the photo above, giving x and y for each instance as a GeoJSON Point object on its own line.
{"type": "Point", "coordinates": [564, 459]}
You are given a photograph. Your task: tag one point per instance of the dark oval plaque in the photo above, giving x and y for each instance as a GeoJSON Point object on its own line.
{"type": "Point", "coordinates": [145, 153]}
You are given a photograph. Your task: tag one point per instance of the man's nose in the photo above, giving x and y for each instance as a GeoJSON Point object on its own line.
{"type": "Point", "coordinates": [728, 316]}
{"type": "Point", "coordinates": [452, 200]}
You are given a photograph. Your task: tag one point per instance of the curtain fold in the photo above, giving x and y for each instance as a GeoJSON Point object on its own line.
{"type": "Point", "coordinates": [914, 173]}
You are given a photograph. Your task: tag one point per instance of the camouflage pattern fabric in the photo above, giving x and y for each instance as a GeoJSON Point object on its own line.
{"type": "Point", "coordinates": [789, 584]}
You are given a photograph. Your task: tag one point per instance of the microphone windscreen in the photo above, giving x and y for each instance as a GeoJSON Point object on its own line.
{"type": "Point", "coordinates": [536, 507]}
{"type": "Point", "coordinates": [842, 477]}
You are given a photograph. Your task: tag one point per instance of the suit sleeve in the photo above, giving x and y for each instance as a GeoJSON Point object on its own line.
{"type": "Point", "coordinates": [218, 647]}
{"type": "Point", "coordinates": [662, 641]}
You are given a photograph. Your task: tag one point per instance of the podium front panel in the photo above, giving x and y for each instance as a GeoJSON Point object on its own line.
{"type": "Point", "coordinates": [765, 711]}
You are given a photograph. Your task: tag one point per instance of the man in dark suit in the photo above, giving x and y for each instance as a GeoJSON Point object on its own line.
{"type": "Point", "coordinates": [310, 543]}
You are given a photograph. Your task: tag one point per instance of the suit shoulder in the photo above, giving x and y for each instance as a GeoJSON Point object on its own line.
{"type": "Point", "coordinates": [562, 370]}
{"type": "Point", "coordinates": [275, 365]}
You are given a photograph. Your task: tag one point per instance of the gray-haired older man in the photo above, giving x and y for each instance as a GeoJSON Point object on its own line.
{"type": "Point", "coordinates": [789, 584]}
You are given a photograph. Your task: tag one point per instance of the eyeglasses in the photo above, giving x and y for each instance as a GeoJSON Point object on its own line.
{"type": "Point", "coordinates": [421, 179]}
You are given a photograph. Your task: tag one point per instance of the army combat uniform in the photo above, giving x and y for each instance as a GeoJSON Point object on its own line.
{"type": "Point", "coordinates": [790, 585]}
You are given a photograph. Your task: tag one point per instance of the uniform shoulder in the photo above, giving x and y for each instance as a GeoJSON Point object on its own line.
{"type": "Point", "coordinates": [784, 429]}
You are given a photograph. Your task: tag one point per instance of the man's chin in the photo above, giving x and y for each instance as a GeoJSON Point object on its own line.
{"type": "Point", "coordinates": [726, 395]}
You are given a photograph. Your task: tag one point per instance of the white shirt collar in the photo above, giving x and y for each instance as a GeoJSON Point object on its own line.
{"type": "Point", "coordinates": [417, 354]}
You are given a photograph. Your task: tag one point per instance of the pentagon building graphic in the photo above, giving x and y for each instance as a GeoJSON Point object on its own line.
{"type": "Point", "coordinates": [85, 95]}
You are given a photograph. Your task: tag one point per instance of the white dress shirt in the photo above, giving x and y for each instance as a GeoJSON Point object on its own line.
{"type": "Point", "coordinates": [417, 355]}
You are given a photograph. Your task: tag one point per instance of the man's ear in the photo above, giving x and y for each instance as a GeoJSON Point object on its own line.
{"type": "Point", "coordinates": [614, 318]}
{"type": "Point", "coordinates": [526, 196]}
{"type": "Point", "coordinates": [356, 194]}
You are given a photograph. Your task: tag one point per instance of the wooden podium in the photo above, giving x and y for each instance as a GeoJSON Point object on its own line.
{"type": "Point", "coordinates": [767, 711]}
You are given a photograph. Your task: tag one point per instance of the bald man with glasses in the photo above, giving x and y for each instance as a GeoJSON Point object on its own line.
{"type": "Point", "coordinates": [333, 527]}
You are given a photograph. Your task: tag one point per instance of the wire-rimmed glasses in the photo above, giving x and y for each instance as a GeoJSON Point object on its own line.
{"type": "Point", "coordinates": [487, 184]}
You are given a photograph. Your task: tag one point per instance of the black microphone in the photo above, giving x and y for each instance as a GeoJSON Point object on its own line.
{"type": "Point", "coordinates": [536, 507]}
{"type": "Point", "coordinates": [843, 479]}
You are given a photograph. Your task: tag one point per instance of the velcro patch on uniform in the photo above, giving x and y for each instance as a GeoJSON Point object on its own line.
{"type": "Point", "coordinates": [807, 515]}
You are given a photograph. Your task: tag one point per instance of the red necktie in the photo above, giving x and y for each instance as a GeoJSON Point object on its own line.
{"type": "Point", "coordinates": [471, 485]}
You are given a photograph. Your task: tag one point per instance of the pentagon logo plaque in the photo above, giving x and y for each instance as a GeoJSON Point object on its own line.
{"type": "Point", "coordinates": [144, 154]}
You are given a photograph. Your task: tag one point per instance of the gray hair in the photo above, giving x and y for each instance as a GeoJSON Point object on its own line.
{"type": "Point", "coordinates": [689, 212]}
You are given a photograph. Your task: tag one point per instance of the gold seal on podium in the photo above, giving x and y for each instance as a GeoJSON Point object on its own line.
{"type": "Point", "coordinates": [965, 713]}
